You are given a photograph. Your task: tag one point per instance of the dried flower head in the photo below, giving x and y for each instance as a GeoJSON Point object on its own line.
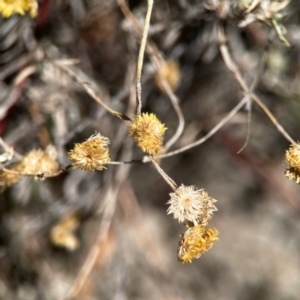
{"type": "Point", "coordinates": [38, 161]}
{"type": "Point", "coordinates": [62, 234]}
{"type": "Point", "coordinates": [10, 7]}
{"type": "Point", "coordinates": [92, 154]}
{"type": "Point", "coordinates": [264, 11]}
{"type": "Point", "coordinates": [170, 71]}
{"type": "Point", "coordinates": [148, 132]}
{"type": "Point", "coordinates": [188, 203]}
{"type": "Point", "coordinates": [293, 174]}
{"type": "Point", "coordinates": [195, 241]}
{"type": "Point", "coordinates": [208, 208]}
{"type": "Point", "coordinates": [9, 178]}
{"type": "Point", "coordinates": [292, 159]}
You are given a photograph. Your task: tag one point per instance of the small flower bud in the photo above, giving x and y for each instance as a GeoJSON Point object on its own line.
{"type": "Point", "coordinates": [196, 241]}
{"type": "Point", "coordinates": [170, 71]}
{"type": "Point", "coordinates": [148, 132]}
{"type": "Point", "coordinates": [92, 154]}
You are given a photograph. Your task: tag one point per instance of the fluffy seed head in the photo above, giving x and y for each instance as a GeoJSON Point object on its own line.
{"type": "Point", "coordinates": [10, 7]}
{"type": "Point", "coordinates": [38, 161]}
{"type": "Point", "coordinates": [170, 71]}
{"type": "Point", "coordinates": [148, 132]}
{"type": "Point", "coordinates": [92, 154]}
{"type": "Point", "coordinates": [188, 203]}
{"type": "Point", "coordinates": [196, 241]}
{"type": "Point", "coordinates": [292, 159]}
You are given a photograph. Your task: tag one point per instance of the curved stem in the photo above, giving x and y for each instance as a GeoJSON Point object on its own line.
{"type": "Point", "coordinates": [237, 75]}
{"type": "Point", "coordinates": [141, 58]}
{"type": "Point", "coordinates": [86, 87]}
{"type": "Point", "coordinates": [207, 136]}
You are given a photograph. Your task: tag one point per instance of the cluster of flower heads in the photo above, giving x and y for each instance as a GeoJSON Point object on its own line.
{"type": "Point", "coordinates": [11, 7]}
{"type": "Point", "coordinates": [195, 208]}
{"type": "Point", "coordinates": [292, 159]}
{"type": "Point", "coordinates": [35, 162]}
{"type": "Point", "coordinates": [187, 204]}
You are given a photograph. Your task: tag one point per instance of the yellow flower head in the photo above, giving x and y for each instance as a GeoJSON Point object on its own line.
{"type": "Point", "coordinates": [292, 159]}
{"type": "Point", "coordinates": [62, 234]}
{"type": "Point", "coordinates": [38, 161]}
{"type": "Point", "coordinates": [170, 71]}
{"type": "Point", "coordinates": [196, 241]}
{"type": "Point", "coordinates": [148, 132]}
{"type": "Point", "coordinates": [92, 154]}
{"type": "Point", "coordinates": [188, 203]}
{"type": "Point", "coordinates": [8, 179]}
{"type": "Point", "coordinates": [10, 7]}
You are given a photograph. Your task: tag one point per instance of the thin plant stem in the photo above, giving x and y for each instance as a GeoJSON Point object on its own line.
{"type": "Point", "coordinates": [240, 80]}
{"type": "Point", "coordinates": [157, 59]}
{"type": "Point", "coordinates": [86, 86]}
{"type": "Point", "coordinates": [252, 87]}
{"type": "Point", "coordinates": [168, 179]}
{"type": "Point", "coordinates": [141, 58]}
{"type": "Point", "coordinates": [42, 175]}
{"type": "Point", "coordinates": [207, 136]}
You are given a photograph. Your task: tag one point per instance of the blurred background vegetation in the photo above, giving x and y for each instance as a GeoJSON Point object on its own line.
{"type": "Point", "coordinates": [257, 256]}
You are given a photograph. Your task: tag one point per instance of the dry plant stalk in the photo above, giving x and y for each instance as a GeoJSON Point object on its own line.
{"type": "Point", "coordinates": [237, 75]}
{"type": "Point", "coordinates": [141, 58]}
{"type": "Point", "coordinates": [158, 61]}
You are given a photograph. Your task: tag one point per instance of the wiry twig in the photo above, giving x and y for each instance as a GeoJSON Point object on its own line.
{"type": "Point", "coordinates": [86, 87]}
{"type": "Point", "coordinates": [175, 102]}
{"type": "Point", "coordinates": [141, 58]}
{"type": "Point", "coordinates": [252, 87]}
{"type": "Point", "coordinates": [207, 136]}
{"type": "Point", "coordinates": [42, 175]}
{"type": "Point", "coordinates": [237, 75]}
{"type": "Point", "coordinates": [168, 179]}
